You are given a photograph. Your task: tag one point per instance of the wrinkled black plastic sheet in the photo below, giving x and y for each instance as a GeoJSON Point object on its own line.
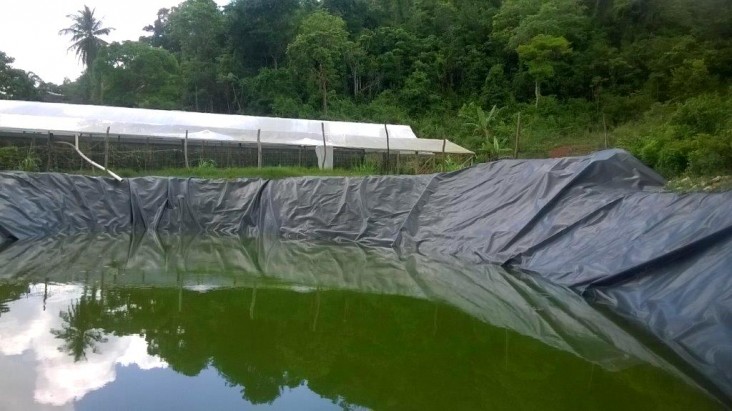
{"type": "Point", "coordinates": [599, 225]}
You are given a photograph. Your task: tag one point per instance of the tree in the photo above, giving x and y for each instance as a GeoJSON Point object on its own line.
{"type": "Point", "coordinates": [540, 55]}
{"type": "Point", "coordinates": [85, 32]}
{"type": "Point", "coordinates": [135, 74]}
{"type": "Point", "coordinates": [16, 84]}
{"type": "Point", "coordinates": [317, 51]}
{"type": "Point", "coordinates": [198, 27]}
{"type": "Point", "coordinates": [260, 30]}
{"type": "Point", "coordinates": [160, 32]}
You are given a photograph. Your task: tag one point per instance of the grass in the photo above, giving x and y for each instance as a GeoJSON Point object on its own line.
{"type": "Point", "coordinates": [271, 173]}
{"type": "Point", "coordinates": [680, 185]}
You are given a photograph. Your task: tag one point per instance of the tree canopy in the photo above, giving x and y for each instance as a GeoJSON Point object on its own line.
{"type": "Point", "coordinates": [573, 68]}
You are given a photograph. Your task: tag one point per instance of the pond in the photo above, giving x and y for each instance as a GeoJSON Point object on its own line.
{"type": "Point", "coordinates": [140, 323]}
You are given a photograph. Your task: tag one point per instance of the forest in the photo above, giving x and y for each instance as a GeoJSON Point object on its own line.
{"type": "Point", "coordinates": [650, 76]}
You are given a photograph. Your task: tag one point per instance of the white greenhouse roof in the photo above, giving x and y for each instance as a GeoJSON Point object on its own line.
{"type": "Point", "coordinates": [34, 117]}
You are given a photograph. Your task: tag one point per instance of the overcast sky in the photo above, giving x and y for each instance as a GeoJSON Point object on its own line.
{"type": "Point", "coordinates": [29, 30]}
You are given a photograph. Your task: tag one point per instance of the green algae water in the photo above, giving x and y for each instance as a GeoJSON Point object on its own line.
{"type": "Point", "coordinates": [130, 323]}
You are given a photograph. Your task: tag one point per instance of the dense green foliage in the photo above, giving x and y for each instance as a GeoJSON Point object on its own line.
{"type": "Point", "coordinates": [654, 73]}
{"type": "Point", "coordinates": [16, 84]}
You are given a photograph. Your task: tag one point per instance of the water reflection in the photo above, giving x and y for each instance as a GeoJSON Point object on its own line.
{"type": "Point", "coordinates": [349, 327]}
{"type": "Point", "coordinates": [58, 375]}
{"type": "Point", "coordinates": [77, 331]}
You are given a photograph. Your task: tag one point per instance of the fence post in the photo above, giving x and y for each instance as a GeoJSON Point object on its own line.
{"type": "Point", "coordinates": [106, 149]}
{"type": "Point", "coordinates": [259, 148]}
{"type": "Point", "coordinates": [518, 136]}
{"type": "Point", "coordinates": [604, 128]}
{"type": "Point", "coordinates": [387, 148]}
{"type": "Point", "coordinates": [444, 143]}
{"type": "Point", "coordinates": [77, 143]}
{"type": "Point", "coordinates": [325, 147]}
{"type": "Point", "coordinates": [299, 157]}
{"type": "Point", "coordinates": [185, 149]}
{"type": "Point", "coordinates": [48, 163]}
{"type": "Point", "coordinates": [148, 158]}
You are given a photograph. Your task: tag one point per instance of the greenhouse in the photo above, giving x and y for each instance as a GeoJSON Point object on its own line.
{"type": "Point", "coordinates": [149, 139]}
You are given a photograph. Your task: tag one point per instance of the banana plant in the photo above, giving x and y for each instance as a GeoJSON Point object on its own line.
{"type": "Point", "coordinates": [476, 118]}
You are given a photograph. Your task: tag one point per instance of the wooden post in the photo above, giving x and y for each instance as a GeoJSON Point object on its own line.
{"type": "Point", "coordinates": [148, 160]}
{"type": "Point", "coordinates": [106, 149]}
{"type": "Point", "coordinates": [77, 143]}
{"type": "Point", "coordinates": [387, 148]}
{"type": "Point", "coordinates": [48, 164]}
{"type": "Point", "coordinates": [444, 143]}
{"type": "Point", "coordinates": [299, 156]}
{"type": "Point", "coordinates": [399, 162]}
{"type": "Point", "coordinates": [91, 148]}
{"type": "Point", "coordinates": [518, 136]}
{"type": "Point", "coordinates": [185, 149]}
{"type": "Point", "coordinates": [259, 148]}
{"type": "Point", "coordinates": [604, 128]}
{"type": "Point", "coordinates": [325, 147]}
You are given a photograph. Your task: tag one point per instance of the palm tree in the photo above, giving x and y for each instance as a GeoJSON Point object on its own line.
{"type": "Point", "coordinates": [85, 32]}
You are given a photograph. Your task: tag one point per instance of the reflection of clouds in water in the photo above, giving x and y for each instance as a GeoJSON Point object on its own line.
{"type": "Point", "coordinates": [59, 380]}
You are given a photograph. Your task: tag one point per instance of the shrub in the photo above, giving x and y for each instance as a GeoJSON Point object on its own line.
{"type": "Point", "coordinates": [713, 155]}
{"type": "Point", "coordinates": [673, 157]}
{"type": "Point", "coordinates": [706, 114]}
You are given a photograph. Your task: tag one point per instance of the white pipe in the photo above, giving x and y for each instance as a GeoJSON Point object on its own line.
{"type": "Point", "coordinates": [76, 147]}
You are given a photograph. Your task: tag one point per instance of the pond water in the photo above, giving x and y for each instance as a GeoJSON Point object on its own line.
{"type": "Point", "coordinates": [214, 323]}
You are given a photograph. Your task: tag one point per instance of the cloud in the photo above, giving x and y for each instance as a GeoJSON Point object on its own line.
{"type": "Point", "coordinates": [25, 330]}
{"type": "Point", "coordinates": [29, 30]}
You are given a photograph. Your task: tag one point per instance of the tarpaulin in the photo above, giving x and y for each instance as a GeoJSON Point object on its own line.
{"type": "Point", "coordinates": [600, 225]}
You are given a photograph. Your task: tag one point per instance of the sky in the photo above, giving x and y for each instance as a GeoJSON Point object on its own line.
{"type": "Point", "coordinates": [29, 30]}
{"type": "Point", "coordinates": [55, 379]}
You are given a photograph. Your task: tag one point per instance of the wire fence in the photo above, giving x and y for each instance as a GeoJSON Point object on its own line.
{"type": "Point", "coordinates": [38, 152]}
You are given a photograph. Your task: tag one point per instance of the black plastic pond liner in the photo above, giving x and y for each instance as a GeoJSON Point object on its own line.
{"type": "Point", "coordinates": [599, 225]}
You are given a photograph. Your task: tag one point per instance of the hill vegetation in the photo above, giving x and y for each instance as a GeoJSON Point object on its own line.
{"type": "Point", "coordinates": [652, 76]}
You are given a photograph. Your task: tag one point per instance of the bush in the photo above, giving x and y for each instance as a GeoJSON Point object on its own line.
{"type": "Point", "coordinates": [9, 157]}
{"type": "Point", "coordinates": [694, 137]}
{"type": "Point", "coordinates": [14, 158]}
{"type": "Point", "coordinates": [705, 114]}
{"type": "Point", "coordinates": [673, 157]}
{"type": "Point", "coordinates": [713, 155]}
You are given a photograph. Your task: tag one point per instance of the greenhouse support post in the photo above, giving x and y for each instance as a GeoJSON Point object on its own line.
{"type": "Point", "coordinates": [518, 136]}
{"type": "Point", "coordinates": [48, 164]}
{"type": "Point", "coordinates": [387, 148]}
{"type": "Point", "coordinates": [325, 148]}
{"type": "Point", "coordinates": [185, 149]}
{"type": "Point", "coordinates": [259, 148]}
{"type": "Point", "coordinates": [106, 149]}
